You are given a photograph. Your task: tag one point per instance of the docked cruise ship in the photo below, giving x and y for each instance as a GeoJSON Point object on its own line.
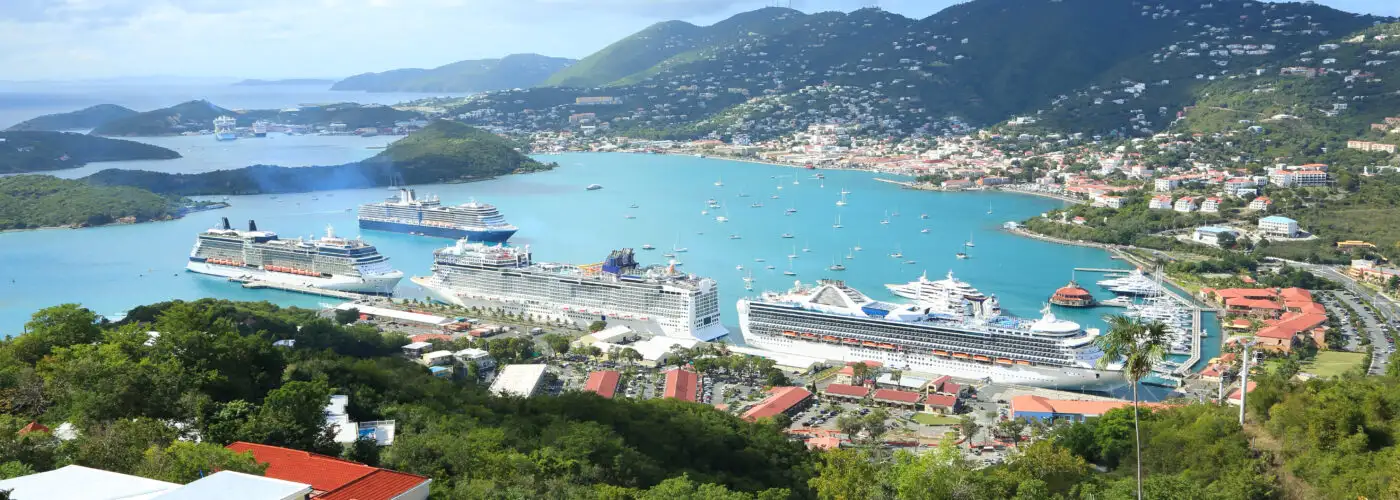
{"type": "Point", "coordinates": [407, 214]}
{"type": "Point", "coordinates": [836, 322]}
{"type": "Point", "coordinates": [330, 262]}
{"type": "Point", "coordinates": [948, 296]}
{"type": "Point", "coordinates": [656, 299]}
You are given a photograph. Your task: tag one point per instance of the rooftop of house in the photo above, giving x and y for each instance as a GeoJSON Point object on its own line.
{"type": "Point", "coordinates": [894, 395]}
{"type": "Point", "coordinates": [856, 391]}
{"type": "Point", "coordinates": [1040, 404]}
{"type": "Point", "coordinates": [604, 383]}
{"type": "Point", "coordinates": [779, 400]}
{"type": "Point", "coordinates": [330, 475]}
{"type": "Point", "coordinates": [681, 384]}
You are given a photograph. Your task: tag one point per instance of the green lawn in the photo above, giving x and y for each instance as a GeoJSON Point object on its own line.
{"type": "Point", "coordinates": [932, 419]}
{"type": "Point", "coordinates": [1332, 363]}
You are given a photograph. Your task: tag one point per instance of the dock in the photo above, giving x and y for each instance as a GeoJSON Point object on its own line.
{"type": "Point", "coordinates": [1101, 270]}
{"type": "Point", "coordinates": [257, 284]}
{"type": "Point", "coordinates": [895, 182]}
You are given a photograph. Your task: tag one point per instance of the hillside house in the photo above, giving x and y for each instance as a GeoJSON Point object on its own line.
{"type": "Point", "coordinates": [1260, 204]}
{"type": "Point", "coordinates": [1210, 205]}
{"type": "Point", "coordinates": [1160, 202]}
{"type": "Point", "coordinates": [1186, 204]}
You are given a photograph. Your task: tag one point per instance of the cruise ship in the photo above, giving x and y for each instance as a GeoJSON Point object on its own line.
{"type": "Point", "coordinates": [836, 322]}
{"type": "Point", "coordinates": [260, 128]}
{"type": "Point", "coordinates": [478, 222]}
{"type": "Point", "coordinates": [224, 128]}
{"type": "Point", "coordinates": [948, 296]}
{"type": "Point", "coordinates": [330, 262]}
{"type": "Point", "coordinates": [657, 299]}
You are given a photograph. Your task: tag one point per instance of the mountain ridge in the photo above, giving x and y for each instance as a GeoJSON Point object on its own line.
{"type": "Point", "coordinates": [477, 75]}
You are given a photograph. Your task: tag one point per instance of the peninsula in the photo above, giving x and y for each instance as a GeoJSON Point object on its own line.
{"type": "Point", "coordinates": [43, 151]}
{"type": "Point", "coordinates": [83, 119]}
{"type": "Point", "coordinates": [442, 152]}
{"type": "Point", "coordinates": [39, 201]}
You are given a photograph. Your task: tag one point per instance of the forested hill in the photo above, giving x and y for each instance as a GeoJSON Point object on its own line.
{"type": "Point", "coordinates": [512, 71]}
{"type": "Point", "coordinates": [86, 118]}
{"type": "Point", "coordinates": [443, 151]}
{"type": "Point", "coordinates": [191, 116]}
{"type": "Point", "coordinates": [41, 151]}
{"type": "Point", "coordinates": [34, 201]}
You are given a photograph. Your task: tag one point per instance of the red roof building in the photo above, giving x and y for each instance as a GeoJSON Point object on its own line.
{"type": "Point", "coordinates": [1279, 335]}
{"type": "Point", "coordinates": [897, 398]}
{"type": "Point", "coordinates": [604, 383]}
{"type": "Point", "coordinates": [429, 337]}
{"type": "Point", "coordinates": [846, 391]}
{"type": "Point", "coordinates": [34, 427]}
{"type": "Point", "coordinates": [331, 478]}
{"type": "Point", "coordinates": [941, 403]}
{"type": "Point", "coordinates": [1072, 295]}
{"type": "Point", "coordinates": [682, 384]}
{"type": "Point", "coordinates": [780, 400]}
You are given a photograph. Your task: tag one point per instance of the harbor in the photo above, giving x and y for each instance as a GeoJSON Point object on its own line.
{"type": "Point", "coordinates": [310, 290]}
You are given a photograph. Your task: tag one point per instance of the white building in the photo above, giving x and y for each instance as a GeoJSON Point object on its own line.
{"type": "Point", "coordinates": [1166, 184]}
{"type": "Point", "coordinates": [1277, 225]}
{"type": "Point", "coordinates": [518, 380]}
{"type": "Point", "coordinates": [1210, 205]}
{"type": "Point", "coordinates": [483, 359]}
{"type": "Point", "coordinates": [1186, 204]}
{"type": "Point", "coordinates": [1160, 202]}
{"type": "Point", "coordinates": [1212, 235]}
{"type": "Point", "coordinates": [1261, 203]}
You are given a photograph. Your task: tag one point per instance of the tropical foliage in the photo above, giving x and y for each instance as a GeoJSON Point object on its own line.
{"type": "Point", "coordinates": [35, 151]}
{"type": "Point", "coordinates": [33, 201]}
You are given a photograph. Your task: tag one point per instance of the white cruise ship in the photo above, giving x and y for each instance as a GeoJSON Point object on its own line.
{"type": "Point", "coordinates": [330, 262]}
{"type": "Point", "coordinates": [948, 296]}
{"type": "Point", "coordinates": [833, 321]}
{"type": "Point", "coordinates": [656, 299]}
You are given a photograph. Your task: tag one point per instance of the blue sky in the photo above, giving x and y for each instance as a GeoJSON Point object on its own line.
{"type": "Point", "coordinates": [78, 39]}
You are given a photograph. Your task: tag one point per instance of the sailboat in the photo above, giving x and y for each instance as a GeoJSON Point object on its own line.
{"type": "Point", "coordinates": [677, 246]}
{"type": "Point", "coordinates": [806, 248]}
{"type": "Point", "coordinates": [857, 247]}
{"type": "Point", "coordinates": [989, 209]}
{"type": "Point", "coordinates": [837, 225]}
{"type": "Point", "coordinates": [842, 202]}
{"type": "Point", "coordinates": [844, 192]}
{"type": "Point", "coordinates": [789, 271]}
{"type": "Point", "coordinates": [720, 182]}
{"type": "Point", "coordinates": [787, 236]}
{"type": "Point", "coordinates": [742, 194]}
{"type": "Point", "coordinates": [969, 242]}
{"type": "Point", "coordinates": [837, 266]}
{"type": "Point", "coordinates": [723, 218]}
{"type": "Point", "coordinates": [793, 255]}
{"type": "Point", "coordinates": [886, 220]}
{"type": "Point", "coordinates": [850, 254]}
{"type": "Point", "coordinates": [897, 254]}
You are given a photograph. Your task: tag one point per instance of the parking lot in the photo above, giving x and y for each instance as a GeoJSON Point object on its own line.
{"type": "Point", "coordinates": [1375, 330]}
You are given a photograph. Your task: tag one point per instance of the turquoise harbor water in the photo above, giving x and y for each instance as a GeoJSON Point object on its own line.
{"type": "Point", "coordinates": [111, 269]}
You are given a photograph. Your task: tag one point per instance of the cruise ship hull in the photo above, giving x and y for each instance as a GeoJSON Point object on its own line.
{"type": "Point", "coordinates": [382, 284]}
{"type": "Point", "coordinates": [1047, 376]}
{"type": "Point", "coordinates": [225, 136]}
{"type": "Point", "coordinates": [576, 316]}
{"type": "Point", "coordinates": [471, 235]}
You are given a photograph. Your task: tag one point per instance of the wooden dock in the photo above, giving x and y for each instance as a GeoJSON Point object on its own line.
{"type": "Point", "coordinates": [256, 284]}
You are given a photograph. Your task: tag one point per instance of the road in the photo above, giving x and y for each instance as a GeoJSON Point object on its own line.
{"type": "Point", "coordinates": [1375, 327]}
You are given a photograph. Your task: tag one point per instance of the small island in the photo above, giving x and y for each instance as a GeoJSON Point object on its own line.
{"type": "Point", "coordinates": [444, 151]}
{"type": "Point", "coordinates": [34, 151]}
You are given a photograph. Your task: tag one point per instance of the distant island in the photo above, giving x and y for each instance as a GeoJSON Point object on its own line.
{"type": "Point", "coordinates": [444, 151]}
{"type": "Point", "coordinates": [36, 151]}
{"type": "Point", "coordinates": [186, 116]}
{"type": "Point", "coordinates": [512, 71]}
{"type": "Point", "coordinates": [83, 119]}
{"type": "Point", "coordinates": [195, 116]}
{"type": "Point", "coordinates": [285, 81]}
{"type": "Point", "coordinates": [38, 201]}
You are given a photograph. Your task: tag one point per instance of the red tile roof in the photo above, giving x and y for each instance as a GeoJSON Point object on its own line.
{"type": "Point", "coordinates": [429, 336]}
{"type": "Point", "coordinates": [900, 396]}
{"type": "Point", "coordinates": [1253, 304]}
{"type": "Point", "coordinates": [1293, 324]}
{"type": "Point", "coordinates": [34, 427]}
{"type": "Point", "coordinates": [603, 382]}
{"type": "Point", "coordinates": [941, 400]}
{"type": "Point", "coordinates": [951, 388]}
{"type": "Point", "coordinates": [1068, 407]}
{"type": "Point", "coordinates": [779, 400]}
{"type": "Point", "coordinates": [323, 473]}
{"type": "Point", "coordinates": [382, 484]}
{"type": "Point", "coordinates": [681, 384]}
{"type": "Point", "coordinates": [854, 391]}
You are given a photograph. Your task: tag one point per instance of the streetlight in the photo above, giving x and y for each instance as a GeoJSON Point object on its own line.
{"type": "Point", "coordinates": [1244, 375]}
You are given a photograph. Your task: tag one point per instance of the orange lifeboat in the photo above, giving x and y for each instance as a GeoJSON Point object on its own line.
{"type": "Point", "coordinates": [1022, 362]}
{"type": "Point", "coordinates": [829, 338]}
{"type": "Point", "coordinates": [870, 344]}
{"type": "Point", "coordinates": [940, 353]}
{"type": "Point", "coordinates": [980, 357]}
{"type": "Point", "coordinates": [1003, 361]}
{"type": "Point", "coordinates": [787, 333]}
{"type": "Point", "coordinates": [809, 335]}
{"type": "Point", "coordinates": [959, 355]}
{"type": "Point", "coordinates": [887, 346]}
{"type": "Point", "coordinates": [850, 341]}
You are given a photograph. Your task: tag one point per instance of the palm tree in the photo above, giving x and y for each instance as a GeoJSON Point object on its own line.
{"type": "Point", "coordinates": [1139, 347]}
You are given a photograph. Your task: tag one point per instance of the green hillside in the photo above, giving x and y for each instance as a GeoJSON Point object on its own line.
{"type": "Point", "coordinates": [33, 201]}
{"type": "Point", "coordinates": [184, 117]}
{"type": "Point", "coordinates": [442, 152]}
{"type": "Point", "coordinates": [633, 54]}
{"type": "Point", "coordinates": [34, 151]}
{"type": "Point", "coordinates": [86, 118]}
{"type": "Point", "coordinates": [512, 71]}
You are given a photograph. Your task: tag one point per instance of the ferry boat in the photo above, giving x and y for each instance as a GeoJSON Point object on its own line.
{"type": "Point", "coordinates": [657, 299]}
{"type": "Point", "coordinates": [948, 296]}
{"type": "Point", "coordinates": [330, 262]}
{"type": "Point", "coordinates": [407, 214]}
{"type": "Point", "coordinates": [224, 128]}
{"type": "Point", "coordinates": [833, 321]}
{"type": "Point", "coordinates": [260, 128]}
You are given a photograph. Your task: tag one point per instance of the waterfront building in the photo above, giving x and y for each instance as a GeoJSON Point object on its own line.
{"type": "Point", "coordinates": [1072, 295]}
{"type": "Point", "coordinates": [1278, 225]}
{"type": "Point", "coordinates": [781, 401]}
{"type": "Point", "coordinates": [1043, 408]}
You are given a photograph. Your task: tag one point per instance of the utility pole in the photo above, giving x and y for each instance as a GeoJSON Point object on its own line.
{"type": "Point", "coordinates": [1244, 376]}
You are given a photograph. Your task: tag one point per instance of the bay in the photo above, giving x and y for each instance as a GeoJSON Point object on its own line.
{"type": "Point", "coordinates": [201, 153]}
{"type": "Point", "coordinates": [111, 269]}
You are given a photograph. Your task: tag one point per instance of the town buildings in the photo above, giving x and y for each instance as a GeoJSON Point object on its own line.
{"type": "Point", "coordinates": [1278, 225]}
{"type": "Point", "coordinates": [331, 478]}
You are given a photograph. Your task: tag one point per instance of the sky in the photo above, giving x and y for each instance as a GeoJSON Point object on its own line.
{"type": "Point", "coordinates": [97, 39]}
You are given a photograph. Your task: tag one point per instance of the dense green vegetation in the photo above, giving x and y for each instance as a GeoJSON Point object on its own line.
{"type": "Point", "coordinates": [37, 151]}
{"type": "Point", "coordinates": [213, 370]}
{"type": "Point", "coordinates": [512, 71]}
{"type": "Point", "coordinates": [86, 118]}
{"type": "Point", "coordinates": [33, 201]}
{"type": "Point", "coordinates": [444, 151]}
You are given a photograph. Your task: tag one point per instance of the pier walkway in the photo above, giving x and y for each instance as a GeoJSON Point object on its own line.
{"type": "Point", "coordinates": [1101, 270]}
{"type": "Point", "coordinates": [256, 284]}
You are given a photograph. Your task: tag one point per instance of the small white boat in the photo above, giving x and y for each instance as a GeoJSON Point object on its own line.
{"type": "Point", "coordinates": [648, 247]}
{"type": "Point", "coordinates": [837, 267]}
{"type": "Point", "coordinates": [739, 267]}
{"type": "Point", "coordinates": [924, 230]}
{"type": "Point", "coordinates": [735, 237]}
{"type": "Point", "coordinates": [721, 219]}
{"type": "Point", "coordinates": [629, 216]}
{"type": "Point", "coordinates": [962, 255]}
{"type": "Point", "coordinates": [787, 236]}
{"type": "Point", "coordinates": [720, 182]}
{"type": "Point", "coordinates": [923, 216]}
{"type": "Point", "coordinates": [756, 205]}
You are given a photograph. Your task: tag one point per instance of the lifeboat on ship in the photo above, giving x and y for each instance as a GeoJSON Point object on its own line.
{"type": "Point", "coordinates": [887, 346]}
{"type": "Point", "coordinates": [1023, 362]}
{"type": "Point", "coordinates": [870, 344]}
{"type": "Point", "coordinates": [940, 353]}
{"type": "Point", "coordinates": [789, 333]}
{"type": "Point", "coordinates": [980, 357]}
{"type": "Point", "coordinates": [850, 341]}
{"type": "Point", "coordinates": [1003, 361]}
{"type": "Point", "coordinates": [830, 338]}
{"type": "Point", "coordinates": [960, 355]}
